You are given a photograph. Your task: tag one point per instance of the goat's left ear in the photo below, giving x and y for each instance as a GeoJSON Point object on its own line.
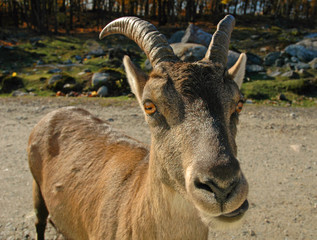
{"type": "Point", "coordinates": [136, 78]}
{"type": "Point", "coordinates": [237, 71]}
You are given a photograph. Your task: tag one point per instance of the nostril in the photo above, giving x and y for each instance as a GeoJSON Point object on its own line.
{"type": "Point", "coordinates": [203, 186]}
{"type": "Point", "coordinates": [221, 194]}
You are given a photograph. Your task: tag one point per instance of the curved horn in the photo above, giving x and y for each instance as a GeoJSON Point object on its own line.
{"type": "Point", "coordinates": [151, 41]}
{"type": "Point", "coordinates": [219, 45]}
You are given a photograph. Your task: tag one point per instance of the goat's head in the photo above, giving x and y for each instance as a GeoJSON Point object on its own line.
{"type": "Point", "coordinates": [191, 109]}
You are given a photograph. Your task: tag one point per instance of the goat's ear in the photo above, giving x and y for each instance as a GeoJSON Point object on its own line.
{"type": "Point", "coordinates": [136, 78]}
{"type": "Point", "coordinates": [237, 71]}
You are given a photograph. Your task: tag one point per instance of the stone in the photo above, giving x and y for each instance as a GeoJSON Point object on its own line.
{"type": "Point", "coordinates": [57, 82]}
{"type": "Point", "coordinates": [274, 73]}
{"type": "Point", "coordinates": [194, 34]}
{"type": "Point", "coordinates": [18, 93]}
{"type": "Point", "coordinates": [255, 37]}
{"type": "Point", "coordinates": [302, 65]}
{"type": "Point", "coordinates": [99, 79]}
{"type": "Point", "coordinates": [55, 70]}
{"type": "Point", "coordinates": [54, 78]}
{"type": "Point", "coordinates": [117, 53]}
{"type": "Point", "coordinates": [309, 43]}
{"type": "Point", "coordinates": [177, 37]}
{"type": "Point", "coordinates": [39, 62]}
{"type": "Point", "coordinates": [232, 58]}
{"type": "Point", "coordinates": [290, 74]}
{"type": "Point", "coordinates": [294, 59]}
{"type": "Point", "coordinates": [270, 58]}
{"type": "Point", "coordinates": [68, 87]}
{"type": "Point", "coordinates": [279, 62]}
{"type": "Point", "coordinates": [147, 65]}
{"type": "Point", "coordinates": [253, 59]}
{"type": "Point", "coordinates": [313, 63]}
{"type": "Point", "coordinates": [189, 52]}
{"type": "Point", "coordinates": [78, 57]}
{"type": "Point", "coordinates": [302, 53]}
{"type": "Point", "coordinates": [9, 84]}
{"type": "Point", "coordinates": [68, 61]}
{"type": "Point", "coordinates": [94, 48]}
{"type": "Point", "coordinates": [103, 91]}
{"type": "Point", "coordinates": [311, 35]}
{"type": "Point", "coordinates": [282, 97]}
{"type": "Point", "coordinates": [303, 73]}
{"type": "Point", "coordinates": [254, 68]}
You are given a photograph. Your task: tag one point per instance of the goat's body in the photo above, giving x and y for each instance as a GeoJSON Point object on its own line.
{"type": "Point", "coordinates": [95, 183]}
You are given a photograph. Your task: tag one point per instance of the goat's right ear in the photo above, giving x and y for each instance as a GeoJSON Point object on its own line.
{"type": "Point", "coordinates": [136, 78]}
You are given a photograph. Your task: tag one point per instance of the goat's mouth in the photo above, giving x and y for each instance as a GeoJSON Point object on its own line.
{"type": "Point", "coordinates": [238, 212]}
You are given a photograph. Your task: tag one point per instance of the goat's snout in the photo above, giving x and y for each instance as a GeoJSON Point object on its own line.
{"type": "Point", "coordinates": [220, 188]}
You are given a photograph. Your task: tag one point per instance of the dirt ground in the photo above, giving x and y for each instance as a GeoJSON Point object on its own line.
{"type": "Point", "coordinates": [277, 151]}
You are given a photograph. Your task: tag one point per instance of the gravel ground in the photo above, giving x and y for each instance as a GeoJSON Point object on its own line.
{"type": "Point", "coordinates": [277, 151]}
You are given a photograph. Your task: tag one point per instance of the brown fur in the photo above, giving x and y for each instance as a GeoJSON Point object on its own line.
{"type": "Point", "coordinates": [97, 183]}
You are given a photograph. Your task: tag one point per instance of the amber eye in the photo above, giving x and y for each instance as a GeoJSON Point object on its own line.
{"type": "Point", "coordinates": [239, 107]}
{"type": "Point", "coordinates": [149, 108]}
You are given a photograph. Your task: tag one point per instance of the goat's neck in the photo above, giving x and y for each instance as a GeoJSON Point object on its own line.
{"type": "Point", "coordinates": [166, 208]}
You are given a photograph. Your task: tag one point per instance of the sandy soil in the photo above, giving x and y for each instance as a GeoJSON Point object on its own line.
{"type": "Point", "coordinates": [277, 150]}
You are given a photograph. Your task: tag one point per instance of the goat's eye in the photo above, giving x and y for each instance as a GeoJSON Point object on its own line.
{"type": "Point", "coordinates": [149, 107]}
{"type": "Point", "coordinates": [239, 106]}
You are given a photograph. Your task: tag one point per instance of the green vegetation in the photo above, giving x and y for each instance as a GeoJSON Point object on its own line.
{"type": "Point", "coordinates": [31, 60]}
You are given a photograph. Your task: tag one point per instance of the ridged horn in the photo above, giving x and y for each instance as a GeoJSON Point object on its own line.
{"type": "Point", "coordinates": [219, 45]}
{"type": "Point", "coordinates": [149, 39]}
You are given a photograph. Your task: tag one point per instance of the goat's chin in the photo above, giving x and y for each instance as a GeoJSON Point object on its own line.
{"type": "Point", "coordinates": [221, 222]}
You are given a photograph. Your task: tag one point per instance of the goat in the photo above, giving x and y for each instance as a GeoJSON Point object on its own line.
{"type": "Point", "coordinates": [97, 183]}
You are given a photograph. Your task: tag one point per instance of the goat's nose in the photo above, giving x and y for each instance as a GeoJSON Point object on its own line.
{"type": "Point", "coordinates": [221, 194]}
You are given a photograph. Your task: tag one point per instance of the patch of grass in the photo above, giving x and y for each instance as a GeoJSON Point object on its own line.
{"type": "Point", "coordinates": [302, 91]}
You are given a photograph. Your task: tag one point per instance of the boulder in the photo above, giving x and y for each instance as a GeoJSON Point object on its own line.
{"type": "Point", "coordinates": [311, 35]}
{"type": "Point", "coordinates": [279, 62]}
{"type": "Point", "coordinates": [114, 79]}
{"type": "Point", "coordinates": [313, 63]}
{"type": "Point", "coordinates": [117, 53]}
{"type": "Point", "coordinates": [254, 68]}
{"type": "Point", "coordinates": [54, 70]}
{"type": "Point", "coordinates": [302, 65]}
{"type": "Point", "coordinates": [274, 73]}
{"type": "Point", "coordinates": [9, 83]}
{"type": "Point", "coordinates": [194, 34]}
{"type": "Point", "coordinates": [57, 82]}
{"type": "Point", "coordinates": [94, 48]}
{"type": "Point", "coordinates": [309, 43]}
{"type": "Point", "coordinates": [253, 59]}
{"type": "Point", "coordinates": [270, 58]}
{"type": "Point", "coordinates": [232, 58]}
{"type": "Point", "coordinates": [68, 62]}
{"type": "Point", "coordinates": [103, 91]}
{"type": "Point", "coordinates": [302, 53]}
{"type": "Point", "coordinates": [303, 73]}
{"type": "Point", "coordinates": [189, 52]}
{"type": "Point", "coordinates": [176, 37]}
{"type": "Point", "coordinates": [18, 93]}
{"type": "Point", "coordinates": [290, 75]}
{"type": "Point", "coordinates": [69, 87]}
{"type": "Point", "coordinates": [99, 78]}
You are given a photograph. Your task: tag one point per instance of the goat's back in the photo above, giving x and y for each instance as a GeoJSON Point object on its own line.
{"type": "Point", "coordinates": [82, 167]}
